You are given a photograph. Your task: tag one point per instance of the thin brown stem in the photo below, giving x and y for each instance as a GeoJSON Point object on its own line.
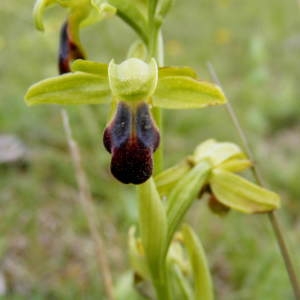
{"type": "Point", "coordinates": [86, 202]}
{"type": "Point", "coordinates": [259, 179]}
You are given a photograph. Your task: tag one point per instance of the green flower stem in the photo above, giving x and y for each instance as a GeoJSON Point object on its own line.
{"type": "Point", "coordinates": [155, 49]}
{"type": "Point", "coordinates": [272, 216]}
{"type": "Point", "coordinates": [162, 285]}
{"type": "Point", "coordinates": [157, 112]}
{"type": "Point", "coordinates": [152, 28]}
{"type": "Point", "coordinates": [130, 15]}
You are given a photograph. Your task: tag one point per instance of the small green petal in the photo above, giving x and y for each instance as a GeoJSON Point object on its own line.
{"type": "Point", "coordinates": [181, 92]}
{"type": "Point", "coordinates": [176, 71]}
{"type": "Point", "coordinates": [70, 88]}
{"type": "Point", "coordinates": [241, 194]}
{"type": "Point", "coordinates": [90, 67]}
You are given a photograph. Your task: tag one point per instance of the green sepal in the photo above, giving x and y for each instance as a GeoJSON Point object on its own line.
{"type": "Point", "coordinates": [70, 88]}
{"type": "Point", "coordinates": [203, 288]}
{"type": "Point", "coordinates": [90, 67]}
{"type": "Point", "coordinates": [153, 226]}
{"type": "Point", "coordinates": [183, 195]}
{"type": "Point", "coordinates": [38, 12]}
{"type": "Point", "coordinates": [241, 194]}
{"type": "Point", "coordinates": [79, 10]}
{"type": "Point", "coordinates": [176, 71]}
{"type": "Point", "coordinates": [182, 92]}
{"type": "Point", "coordinates": [218, 153]}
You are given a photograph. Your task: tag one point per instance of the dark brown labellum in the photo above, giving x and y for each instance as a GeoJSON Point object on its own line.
{"type": "Point", "coordinates": [131, 138]}
{"type": "Point", "coordinates": [68, 50]}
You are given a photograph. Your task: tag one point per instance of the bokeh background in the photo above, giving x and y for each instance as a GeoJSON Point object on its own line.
{"type": "Point", "coordinates": [45, 247]}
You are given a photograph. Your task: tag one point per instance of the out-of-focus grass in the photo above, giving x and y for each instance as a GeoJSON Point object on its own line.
{"type": "Point", "coordinates": [45, 248]}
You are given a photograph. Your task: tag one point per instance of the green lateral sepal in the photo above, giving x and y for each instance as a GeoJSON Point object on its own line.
{"type": "Point", "coordinates": [70, 88]}
{"type": "Point", "coordinates": [240, 194]}
{"type": "Point", "coordinates": [182, 92]}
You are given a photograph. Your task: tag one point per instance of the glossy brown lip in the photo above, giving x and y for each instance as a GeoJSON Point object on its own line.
{"type": "Point", "coordinates": [131, 137]}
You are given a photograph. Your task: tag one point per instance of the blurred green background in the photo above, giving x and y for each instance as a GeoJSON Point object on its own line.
{"type": "Point", "coordinates": [45, 248]}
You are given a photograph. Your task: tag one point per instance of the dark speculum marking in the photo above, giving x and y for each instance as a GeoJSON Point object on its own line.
{"type": "Point", "coordinates": [131, 138]}
{"type": "Point", "coordinates": [68, 50]}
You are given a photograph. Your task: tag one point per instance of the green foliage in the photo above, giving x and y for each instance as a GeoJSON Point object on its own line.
{"type": "Point", "coordinates": [153, 223]}
{"type": "Point", "coordinates": [198, 264]}
{"type": "Point", "coordinates": [183, 194]}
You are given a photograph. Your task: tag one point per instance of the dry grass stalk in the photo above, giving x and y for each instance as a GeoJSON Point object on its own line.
{"type": "Point", "coordinates": [86, 202]}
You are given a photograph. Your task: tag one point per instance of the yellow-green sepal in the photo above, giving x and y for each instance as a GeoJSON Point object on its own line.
{"type": "Point", "coordinates": [70, 88]}
{"type": "Point", "coordinates": [38, 12]}
{"type": "Point", "coordinates": [183, 92]}
{"type": "Point", "coordinates": [240, 194]}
